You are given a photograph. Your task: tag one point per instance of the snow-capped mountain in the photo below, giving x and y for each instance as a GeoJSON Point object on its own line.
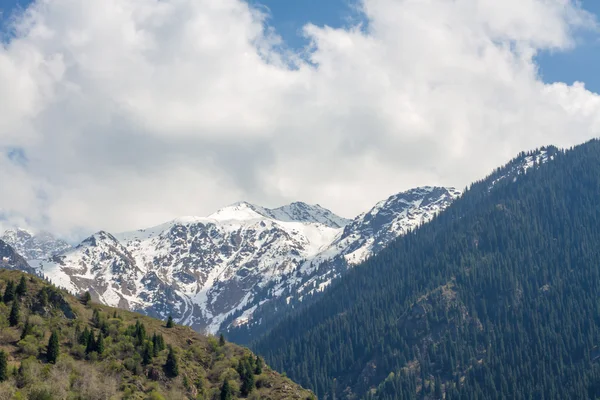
{"type": "Point", "coordinates": [34, 246]}
{"type": "Point", "coordinates": [199, 269]}
{"type": "Point", "coordinates": [363, 237]}
{"type": "Point", "coordinates": [10, 259]}
{"type": "Point", "coordinates": [208, 270]}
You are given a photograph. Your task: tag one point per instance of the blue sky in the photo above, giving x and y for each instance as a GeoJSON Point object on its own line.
{"type": "Point", "coordinates": [288, 17]}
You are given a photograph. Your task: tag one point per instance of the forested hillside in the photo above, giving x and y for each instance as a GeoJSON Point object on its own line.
{"type": "Point", "coordinates": [497, 297]}
{"type": "Point", "coordinates": [54, 346]}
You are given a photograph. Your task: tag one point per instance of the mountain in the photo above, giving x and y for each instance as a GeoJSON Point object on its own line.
{"type": "Point", "coordinates": [363, 237]}
{"type": "Point", "coordinates": [34, 246]}
{"type": "Point", "coordinates": [101, 352]}
{"type": "Point", "coordinates": [496, 297]}
{"type": "Point", "coordinates": [213, 273]}
{"type": "Point", "coordinates": [10, 259]}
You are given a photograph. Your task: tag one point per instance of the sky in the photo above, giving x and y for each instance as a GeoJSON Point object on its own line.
{"type": "Point", "coordinates": [123, 114]}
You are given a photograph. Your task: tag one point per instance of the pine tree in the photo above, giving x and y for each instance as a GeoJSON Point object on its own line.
{"type": "Point", "coordinates": [148, 353]}
{"type": "Point", "coordinates": [15, 313]}
{"type": "Point", "coordinates": [3, 366]}
{"type": "Point", "coordinates": [259, 365]}
{"type": "Point", "coordinates": [84, 337]}
{"type": "Point", "coordinates": [53, 348]}
{"type": "Point", "coordinates": [171, 366]}
{"type": "Point", "coordinates": [100, 344]}
{"type": "Point", "coordinates": [9, 292]}
{"type": "Point", "coordinates": [170, 323]}
{"type": "Point", "coordinates": [221, 340]}
{"type": "Point", "coordinates": [87, 298]}
{"type": "Point", "coordinates": [226, 391]}
{"type": "Point", "coordinates": [22, 287]}
{"type": "Point", "coordinates": [27, 329]}
{"type": "Point", "coordinates": [91, 344]}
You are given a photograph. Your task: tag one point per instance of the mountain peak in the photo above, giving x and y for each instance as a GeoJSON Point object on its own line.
{"type": "Point", "coordinates": [34, 246]}
{"type": "Point", "coordinates": [237, 211]}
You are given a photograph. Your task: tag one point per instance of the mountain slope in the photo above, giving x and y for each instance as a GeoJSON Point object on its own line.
{"type": "Point", "coordinates": [126, 364]}
{"type": "Point", "coordinates": [34, 246]}
{"type": "Point", "coordinates": [365, 236]}
{"type": "Point", "coordinates": [10, 259]}
{"type": "Point", "coordinates": [495, 298]}
{"type": "Point", "coordinates": [214, 272]}
{"type": "Point", "coordinates": [197, 269]}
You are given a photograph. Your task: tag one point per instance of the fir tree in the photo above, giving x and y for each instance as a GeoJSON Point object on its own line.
{"type": "Point", "coordinates": [87, 298]}
{"type": "Point", "coordinates": [226, 391]}
{"type": "Point", "coordinates": [259, 365]}
{"type": "Point", "coordinates": [53, 348]}
{"type": "Point", "coordinates": [22, 287]}
{"type": "Point", "coordinates": [100, 344]}
{"type": "Point", "coordinates": [170, 323]}
{"type": "Point", "coordinates": [27, 329]}
{"type": "Point", "coordinates": [9, 292]}
{"type": "Point", "coordinates": [91, 344]}
{"type": "Point", "coordinates": [15, 313]}
{"type": "Point", "coordinates": [84, 337]}
{"type": "Point", "coordinates": [148, 353]}
{"type": "Point", "coordinates": [171, 366]}
{"type": "Point", "coordinates": [3, 366]}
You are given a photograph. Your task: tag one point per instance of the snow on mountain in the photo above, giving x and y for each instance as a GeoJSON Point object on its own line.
{"type": "Point", "coordinates": [10, 259]}
{"type": "Point", "coordinates": [520, 165]}
{"type": "Point", "coordinates": [372, 231]}
{"type": "Point", "coordinates": [210, 271]}
{"type": "Point", "coordinates": [34, 246]}
{"type": "Point", "coordinates": [199, 269]}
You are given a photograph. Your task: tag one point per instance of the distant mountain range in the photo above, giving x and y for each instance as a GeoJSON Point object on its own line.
{"type": "Point", "coordinates": [215, 272]}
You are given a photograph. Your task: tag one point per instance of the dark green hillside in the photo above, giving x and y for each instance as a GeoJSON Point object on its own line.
{"type": "Point", "coordinates": [54, 346]}
{"type": "Point", "coordinates": [498, 297]}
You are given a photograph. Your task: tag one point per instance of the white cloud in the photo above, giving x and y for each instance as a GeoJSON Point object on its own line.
{"type": "Point", "coordinates": [132, 112]}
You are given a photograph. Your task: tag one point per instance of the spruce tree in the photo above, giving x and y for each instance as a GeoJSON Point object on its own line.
{"type": "Point", "coordinates": [87, 298]}
{"type": "Point", "coordinates": [84, 336]}
{"type": "Point", "coordinates": [171, 366]}
{"type": "Point", "coordinates": [148, 353]}
{"type": "Point", "coordinates": [9, 292]}
{"type": "Point", "coordinates": [15, 314]}
{"type": "Point", "coordinates": [3, 366]}
{"type": "Point", "coordinates": [259, 365]}
{"type": "Point", "coordinates": [221, 340]}
{"type": "Point", "coordinates": [91, 344]}
{"type": "Point", "coordinates": [27, 329]}
{"type": "Point", "coordinates": [100, 344]}
{"type": "Point", "coordinates": [53, 348]}
{"type": "Point", "coordinates": [226, 391]}
{"type": "Point", "coordinates": [170, 323]}
{"type": "Point", "coordinates": [22, 287]}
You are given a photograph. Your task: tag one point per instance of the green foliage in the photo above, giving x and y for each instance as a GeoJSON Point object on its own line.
{"type": "Point", "coordinates": [221, 340]}
{"type": "Point", "coordinates": [115, 365]}
{"type": "Point", "coordinates": [3, 366]}
{"type": "Point", "coordinates": [259, 365]}
{"type": "Point", "coordinates": [27, 329]}
{"type": "Point", "coordinates": [100, 344]}
{"type": "Point", "coordinates": [22, 287]}
{"type": "Point", "coordinates": [170, 322]}
{"type": "Point", "coordinates": [15, 313]}
{"type": "Point", "coordinates": [172, 365]}
{"type": "Point", "coordinates": [495, 298]}
{"type": "Point", "coordinates": [53, 348]}
{"type": "Point", "coordinates": [226, 391]}
{"type": "Point", "coordinates": [86, 298]}
{"type": "Point", "coordinates": [9, 292]}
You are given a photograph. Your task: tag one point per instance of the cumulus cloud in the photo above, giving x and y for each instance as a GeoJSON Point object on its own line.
{"type": "Point", "coordinates": [125, 113]}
